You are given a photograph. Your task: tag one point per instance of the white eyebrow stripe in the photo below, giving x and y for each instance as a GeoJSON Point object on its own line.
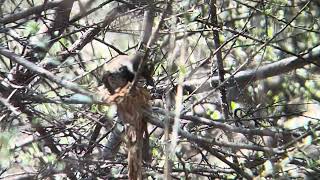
{"type": "Point", "coordinates": [114, 65]}
{"type": "Point", "coordinates": [130, 67]}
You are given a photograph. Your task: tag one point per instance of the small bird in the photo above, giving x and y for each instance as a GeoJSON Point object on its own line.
{"type": "Point", "coordinates": [132, 108]}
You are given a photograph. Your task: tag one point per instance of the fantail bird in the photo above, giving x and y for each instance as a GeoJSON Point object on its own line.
{"type": "Point", "coordinates": [131, 110]}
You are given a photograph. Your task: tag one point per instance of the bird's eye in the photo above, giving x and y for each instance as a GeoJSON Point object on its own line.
{"type": "Point", "coordinates": [123, 69]}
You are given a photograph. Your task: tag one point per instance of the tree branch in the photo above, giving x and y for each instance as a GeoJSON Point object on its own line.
{"type": "Point", "coordinates": [200, 139]}
{"type": "Point", "coordinates": [33, 10]}
{"type": "Point", "coordinates": [273, 69]}
{"type": "Point", "coordinates": [45, 73]}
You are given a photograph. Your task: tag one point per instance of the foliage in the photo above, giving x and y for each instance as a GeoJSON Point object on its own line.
{"type": "Point", "coordinates": [247, 69]}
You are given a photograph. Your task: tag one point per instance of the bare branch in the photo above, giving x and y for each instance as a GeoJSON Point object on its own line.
{"type": "Point", "coordinates": [273, 69]}
{"type": "Point", "coordinates": [211, 142]}
{"type": "Point", "coordinates": [33, 10]}
{"type": "Point", "coordinates": [43, 72]}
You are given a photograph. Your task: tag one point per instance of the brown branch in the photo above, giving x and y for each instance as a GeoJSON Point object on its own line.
{"type": "Point", "coordinates": [221, 73]}
{"type": "Point", "coordinates": [94, 135]}
{"type": "Point", "coordinates": [155, 33]}
{"type": "Point", "coordinates": [33, 10]}
{"type": "Point", "coordinates": [61, 19]}
{"type": "Point", "coordinates": [147, 25]}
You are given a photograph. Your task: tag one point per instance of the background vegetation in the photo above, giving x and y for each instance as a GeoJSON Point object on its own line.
{"type": "Point", "coordinates": [235, 91]}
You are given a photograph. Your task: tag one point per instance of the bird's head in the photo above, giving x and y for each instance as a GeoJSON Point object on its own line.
{"type": "Point", "coordinates": [120, 71]}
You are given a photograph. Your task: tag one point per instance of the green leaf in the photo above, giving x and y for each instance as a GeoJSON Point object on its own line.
{"type": "Point", "coordinates": [155, 152]}
{"type": "Point", "coordinates": [215, 115]}
{"type": "Point", "coordinates": [32, 27]}
{"type": "Point", "coordinates": [182, 69]}
{"type": "Point", "coordinates": [276, 98]}
{"type": "Point", "coordinates": [64, 42]}
{"type": "Point", "coordinates": [270, 32]}
{"type": "Point", "coordinates": [234, 105]}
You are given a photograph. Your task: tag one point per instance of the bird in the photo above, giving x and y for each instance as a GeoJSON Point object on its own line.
{"type": "Point", "coordinates": [119, 74]}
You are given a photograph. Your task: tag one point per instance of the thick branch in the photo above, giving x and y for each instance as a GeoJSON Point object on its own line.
{"type": "Point", "coordinates": [273, 69]}
{"type": "Point", "coordinates": [33, 10]}
{"type": "Point", "coordinates": [43, 72]}
{"type": "Point", "coordinates": [219, 63]}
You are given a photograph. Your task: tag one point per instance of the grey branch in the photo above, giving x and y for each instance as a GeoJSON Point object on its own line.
{"type": "Point", "coordinates": [273, 69]}
{"type": "Point", "coordinates": [203, 140]}
{"type": "Point", "coordinates": [43, 72]}
{"type": "Point", "coordinates": [33, 10]}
